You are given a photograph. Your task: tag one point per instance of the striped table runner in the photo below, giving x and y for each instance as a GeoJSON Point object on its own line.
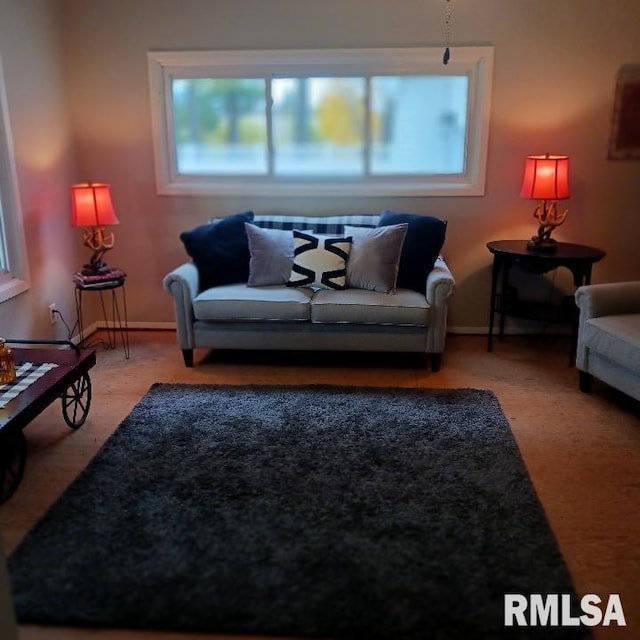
{"type": "Point", "coordinates": [26, 374]}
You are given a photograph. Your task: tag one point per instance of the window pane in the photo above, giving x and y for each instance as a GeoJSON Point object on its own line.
{"type": "Point", "coordinates": [220, 126]}
{"type": "Point", "coordinates": [318, 126]}
{"type": "Point", "coordinates": [418, 124]}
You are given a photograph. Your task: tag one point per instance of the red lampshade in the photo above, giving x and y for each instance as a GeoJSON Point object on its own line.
{"type": "Point", "coordinates": [92, 206]}
{"type": "Point", "coordinates": [546, 177]}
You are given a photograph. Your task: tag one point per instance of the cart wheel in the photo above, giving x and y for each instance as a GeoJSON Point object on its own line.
{"type": "Point", "coordinates": [76, 401]}
{"type": "Point", "coordinates": [13, 456]}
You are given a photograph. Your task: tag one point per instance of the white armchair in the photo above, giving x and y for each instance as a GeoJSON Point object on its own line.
{"type": "Point", "coordinates": [609, 336]}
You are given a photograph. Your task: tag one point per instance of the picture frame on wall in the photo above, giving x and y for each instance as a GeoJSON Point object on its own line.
{"type": "Point", "coordinates": [624, 143]}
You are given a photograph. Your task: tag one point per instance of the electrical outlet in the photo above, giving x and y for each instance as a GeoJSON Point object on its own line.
{"type": "Point", "coordinates": [53, 310]}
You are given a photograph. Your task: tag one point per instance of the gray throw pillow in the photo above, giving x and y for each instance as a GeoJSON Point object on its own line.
{"type": "Point", "coordinates": [375, 256]}
{"type": "Point", "coordinates": [271, 256]}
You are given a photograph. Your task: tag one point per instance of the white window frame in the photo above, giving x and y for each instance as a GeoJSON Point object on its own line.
{"type": "Point", "coordinates": [15, 278]}
{"type": "Point", "coordinates": [475, 62]}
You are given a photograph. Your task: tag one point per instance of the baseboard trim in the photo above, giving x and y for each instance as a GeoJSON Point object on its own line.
{"type": "Point", "coordinates": [143, 325]}
{"type": "Point", "coordinates": [151, 326]}
{"type": "Point", "coordinates": [511, 331]}
{"type": "Point", "coordinates": [91, 329]}
{"type": "Point", "coordinates": [468, 330]}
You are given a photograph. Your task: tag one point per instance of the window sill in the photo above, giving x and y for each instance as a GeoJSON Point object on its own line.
{"type": "Point", "coordinates": [12, 288]}
{"type": "Point", "coordinates": [374, 187]}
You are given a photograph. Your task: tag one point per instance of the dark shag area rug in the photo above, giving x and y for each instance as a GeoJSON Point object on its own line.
{"type": "Point", "coordinates": [309, 511]}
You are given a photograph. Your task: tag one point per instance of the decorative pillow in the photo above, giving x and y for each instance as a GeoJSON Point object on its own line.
{"type": "Point", "coordinates": [319, 261]}
{"type": "Point", "coordinates": [220, 250]}
{"type": "Point", "coordinates": [374, 258]}
{"type": "Point", "coordinates": [422, 244]}
{"type": "Point", "coordinates": [271, 255]}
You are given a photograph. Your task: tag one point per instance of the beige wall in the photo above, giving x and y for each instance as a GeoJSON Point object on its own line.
{"type": "Point", "coordinates": [40, 127]}
{"type": "Point", "coordinates": [555, 68]}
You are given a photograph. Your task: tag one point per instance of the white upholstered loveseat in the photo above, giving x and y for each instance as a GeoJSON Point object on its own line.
{"type": "Point", "coordinates": [239, 316]}
{"type": "Point", "coordinates": [609, 336]}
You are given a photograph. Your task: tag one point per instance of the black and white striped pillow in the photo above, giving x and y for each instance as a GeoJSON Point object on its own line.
{"type": "Point", "coordinates": [319, 261]}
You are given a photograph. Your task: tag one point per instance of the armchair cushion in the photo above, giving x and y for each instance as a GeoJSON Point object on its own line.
{"type": "Point", "coordinates": [616, 338]}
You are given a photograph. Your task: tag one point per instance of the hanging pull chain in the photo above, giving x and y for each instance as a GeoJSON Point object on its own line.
{"type": "Point", "coordinates": [447, 33]}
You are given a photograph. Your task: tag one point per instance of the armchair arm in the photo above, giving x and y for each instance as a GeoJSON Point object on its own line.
{"type": "Point", "coordinates": [612, 298]}
{"type": "Point", "coordinates": [596, 300]}
{"type": "Point", "coordinates": [440, 284]}
{"type": "Point", "coordinates": [182, 284]}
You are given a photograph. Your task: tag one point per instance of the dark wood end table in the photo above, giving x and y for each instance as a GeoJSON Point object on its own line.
{"type": "Point", "coordinates": [578, 258]}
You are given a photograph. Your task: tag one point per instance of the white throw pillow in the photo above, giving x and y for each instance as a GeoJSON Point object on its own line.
{"type": "Point", "coordinates": [319, 261]}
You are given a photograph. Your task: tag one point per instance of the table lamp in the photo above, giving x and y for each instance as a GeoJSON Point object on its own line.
{"type": "Point", "coordinates": [92, 209]}
{"type": "Point", "coordinates": [546, 178]}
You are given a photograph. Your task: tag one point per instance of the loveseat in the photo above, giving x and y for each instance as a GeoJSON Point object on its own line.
{"type": "Point", "coordinates": [609, 336]}
{"type": "Point", "coordinates": [247, 285]}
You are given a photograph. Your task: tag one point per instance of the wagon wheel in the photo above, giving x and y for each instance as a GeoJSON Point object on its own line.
{"type": "Point", "coordinates": [13, 456]}
{"type": "Point", "coordinates": [76, 400]}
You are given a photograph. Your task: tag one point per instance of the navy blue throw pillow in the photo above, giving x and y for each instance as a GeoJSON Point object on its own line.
{"type": "Point", "coordinates": [422, 244]}
{"type": "Point", "coordinates": [220, 250]}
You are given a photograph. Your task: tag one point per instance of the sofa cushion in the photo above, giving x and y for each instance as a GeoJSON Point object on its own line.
{"type": "Point", "coordinates": [375, 256]}
{"type": "Point", "coordinates": [220, 250]}
{"type": "Point", "coordinates": [358, 306]}
{"type": "Point", "coordinates": [422, 244]}
{"type": "Point", "coordinates": [319, 261]}
{"type": "Point", "coordinates": [271, 255]}
{"type": "Point", "coordinates": [239, 302]}
{"type": "Point", "coordinates": [616, 338]}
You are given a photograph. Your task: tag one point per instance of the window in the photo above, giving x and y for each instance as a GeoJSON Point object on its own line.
{"type": "Point", "coordinates": [345, 122]}
{"type": "Point", "coordinates": [4, 262]}
{"type": "Point", "coordinates": [13, 265]}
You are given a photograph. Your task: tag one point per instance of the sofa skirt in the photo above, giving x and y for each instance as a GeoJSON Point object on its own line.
{"type": "Point", "coordinates": [307, 336]}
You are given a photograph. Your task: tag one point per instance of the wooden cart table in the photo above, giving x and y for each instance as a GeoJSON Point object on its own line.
{"type": "Point", "coordinates": [68, 380]}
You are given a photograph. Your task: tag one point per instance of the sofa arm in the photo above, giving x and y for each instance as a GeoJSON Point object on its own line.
{"type": "Point", "coordinates": [440, 285]}
{"type": "Point", "coordinates": [182, 283]}
{"type": "Point", "coordinates": [613, 298]}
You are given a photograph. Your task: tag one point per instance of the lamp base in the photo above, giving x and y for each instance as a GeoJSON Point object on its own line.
{"type": "Point", "coordinates": [96, 265]}
{"type": "Point", "coordinates": [96, 268]}
{"type": "Point", "coordinates": [547, 245]}
{"type": "Point", "coordinates": [548, 219]}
